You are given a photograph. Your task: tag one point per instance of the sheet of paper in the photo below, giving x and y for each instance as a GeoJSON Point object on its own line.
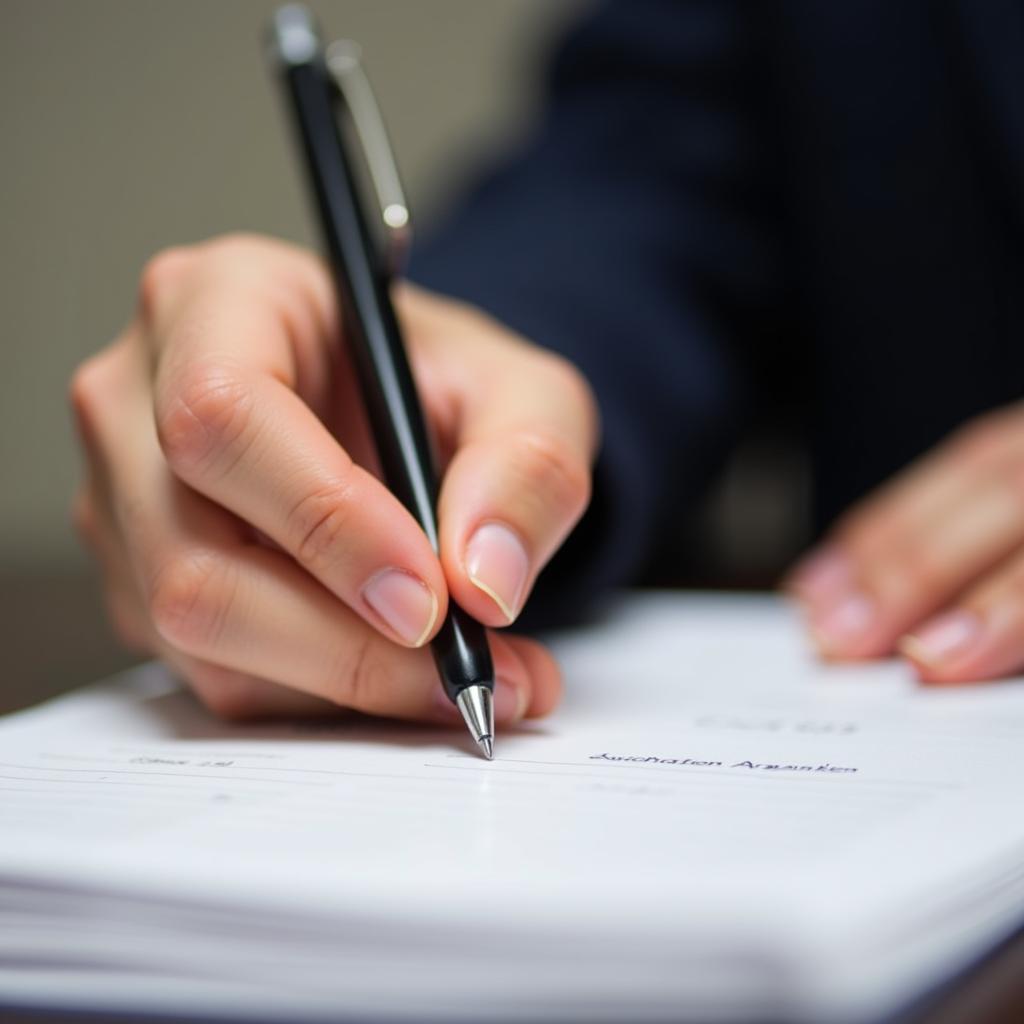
{"type": "Point", "coordinates": [723, 820]}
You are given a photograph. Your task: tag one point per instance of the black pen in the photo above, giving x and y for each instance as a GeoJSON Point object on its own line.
{"type": "Point", "coordinates": [319, 87]}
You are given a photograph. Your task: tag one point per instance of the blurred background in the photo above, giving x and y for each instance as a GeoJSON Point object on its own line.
{"type": "Point", "coordinates": [130, 125]}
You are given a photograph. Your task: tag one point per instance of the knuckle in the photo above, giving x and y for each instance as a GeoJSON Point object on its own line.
{"type": "Point", "coordinates": [550, 467]}
{"type": "Point", "coordinates": [233, 244]}
{"type": "Point", "coordinates": [158, 275]}
{"type": "Point", "coordinates": [261, 261]}
{"type": "Point", "coordinates": [210, 410]}
{"type": "Point", "coordinates": [86, 389]}
{"type": "Point", "coordinates": [82, 384]}
{"type": "Point", "coordinates": [318, 522]}
{"type": "Point", "coordinates": [189, 601]}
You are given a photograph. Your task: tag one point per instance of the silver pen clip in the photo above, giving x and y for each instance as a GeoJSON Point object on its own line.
{"type": "Point", "coordinates": [344, 64]}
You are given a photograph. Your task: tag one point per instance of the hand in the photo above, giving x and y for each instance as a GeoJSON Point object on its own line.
{"type": "Point", "coordinates": [932, 564]}
{"type": "Point", "coordinates": [231, 501]}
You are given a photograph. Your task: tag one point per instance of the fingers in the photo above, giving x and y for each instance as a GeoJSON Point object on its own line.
{"type": "Point", "coordinates": [216, 598]}
{"type": "Point", "coordinates": [233, 427]}
{"type": "Point", "coordinates": [253, 611]}
{"type": "Point", "coordinates": [982, 637]}
{"type": "Point", "coordinates": [209, 428]}
{"type": "Point", "coordinates": [529, 686]}
{"type": "Point", "coordinates": [238, 697]}
{"type": "Point", "coordinates": [530, 680]}
{"type": "Point", "coordinates": [121, 596]}
{"type": "Point", "coordinates": [236, 617]}
{"type": "Point", "coordinates": [892, 587]}
{"type": "Point", "coordinates": [263, 455]}
{"type": "Point", "coordinates": [228, 694]}
{"type": "Point", "coordinates": [909, 551]}
{"type": "Point", "coordinates": [524, 436]}
{"type": "Point", "coordinates": [233, 423]}
{"type": "Point", "coordinates": [540, 668]}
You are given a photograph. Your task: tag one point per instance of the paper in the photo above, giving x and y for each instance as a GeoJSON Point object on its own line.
{"type": "Point", "coordinates": [712, 827]}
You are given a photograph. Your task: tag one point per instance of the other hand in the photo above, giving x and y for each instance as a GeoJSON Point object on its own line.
{"type": "Point", "coordinates": [932, 564]}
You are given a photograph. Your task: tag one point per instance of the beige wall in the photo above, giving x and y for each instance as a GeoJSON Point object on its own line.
{"type": "Point", "coordinates": [128, 125]}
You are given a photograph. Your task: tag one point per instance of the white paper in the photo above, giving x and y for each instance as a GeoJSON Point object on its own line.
{"type": "Point", "coordinates": [712, 826]}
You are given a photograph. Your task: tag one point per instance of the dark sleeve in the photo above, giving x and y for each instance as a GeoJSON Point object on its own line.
{"type": "Point", "coordinates": [625, 238]}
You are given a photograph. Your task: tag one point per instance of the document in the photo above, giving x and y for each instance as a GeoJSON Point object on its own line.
{"type": "Point", "coordinates": [714, 826]}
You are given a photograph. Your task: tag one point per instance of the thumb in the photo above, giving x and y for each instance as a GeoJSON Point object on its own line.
{"type": "Point", "coordinates": [523, 435]}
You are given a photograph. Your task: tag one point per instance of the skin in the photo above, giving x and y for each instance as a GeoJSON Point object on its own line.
{"type": "Point", "coordinates": [932, 564]}
{"type": "Point", "coordinates": [231, 501]}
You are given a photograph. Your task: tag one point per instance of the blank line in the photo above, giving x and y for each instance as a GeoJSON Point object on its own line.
{"type": "Point", "coordinates": [248, 768]}
{"type": "Point", "coordinates": [71, 782]}
{"type": "Point", "coordinates": [173, 775]}
{"type": "Point", "coordinates": [118, 782]}
{"type": "Point", "coordinates": [507, 771]}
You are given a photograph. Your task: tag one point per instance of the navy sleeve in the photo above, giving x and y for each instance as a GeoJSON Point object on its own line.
{"type": "Point", "coordinates": [626, 237]}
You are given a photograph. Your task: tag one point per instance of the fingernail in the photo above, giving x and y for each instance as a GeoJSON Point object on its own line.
{"type": "Point", "coordinates": [943, 638]}
{"type": "Point", "coordinates": [497, 563]}
{"type": "Point", "coordinates": [823, 574]}
{"type": "Point", "coordinates": [510, 702]}
{"type": "Point", "coordinates": [845, 622]}
{"type": "Point", "coordinates": [404, 602]}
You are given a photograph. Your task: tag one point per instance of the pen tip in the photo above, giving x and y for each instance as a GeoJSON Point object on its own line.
{"type": "Point", "coordinates": [477, 709]}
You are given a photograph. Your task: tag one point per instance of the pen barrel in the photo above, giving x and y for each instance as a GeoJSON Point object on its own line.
{"type": "Point", "coordinates": [370, 326]}
{"type": "Point", "coordinates": [378, 354]}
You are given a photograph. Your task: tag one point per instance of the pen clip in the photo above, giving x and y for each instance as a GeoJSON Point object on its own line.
{"type": "Point", "coordinates": [343, 60]}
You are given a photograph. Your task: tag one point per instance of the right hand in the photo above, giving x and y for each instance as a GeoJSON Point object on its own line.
{"type": "Point", "coordinates": [231, 500]}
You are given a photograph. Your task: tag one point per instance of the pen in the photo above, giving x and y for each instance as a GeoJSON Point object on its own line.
{"type": "Point", "coordinates": [319, 87]}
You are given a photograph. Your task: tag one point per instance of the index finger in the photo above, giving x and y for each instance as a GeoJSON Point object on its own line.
{"type": "Point", "coordinates": [230, 348]}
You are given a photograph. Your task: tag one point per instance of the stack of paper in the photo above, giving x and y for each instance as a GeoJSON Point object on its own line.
{"type": "Point", "coordinates": [713, 827]}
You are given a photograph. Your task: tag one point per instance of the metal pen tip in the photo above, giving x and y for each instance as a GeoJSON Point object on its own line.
{"type": "Point", "coordinates": [477, 707]}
